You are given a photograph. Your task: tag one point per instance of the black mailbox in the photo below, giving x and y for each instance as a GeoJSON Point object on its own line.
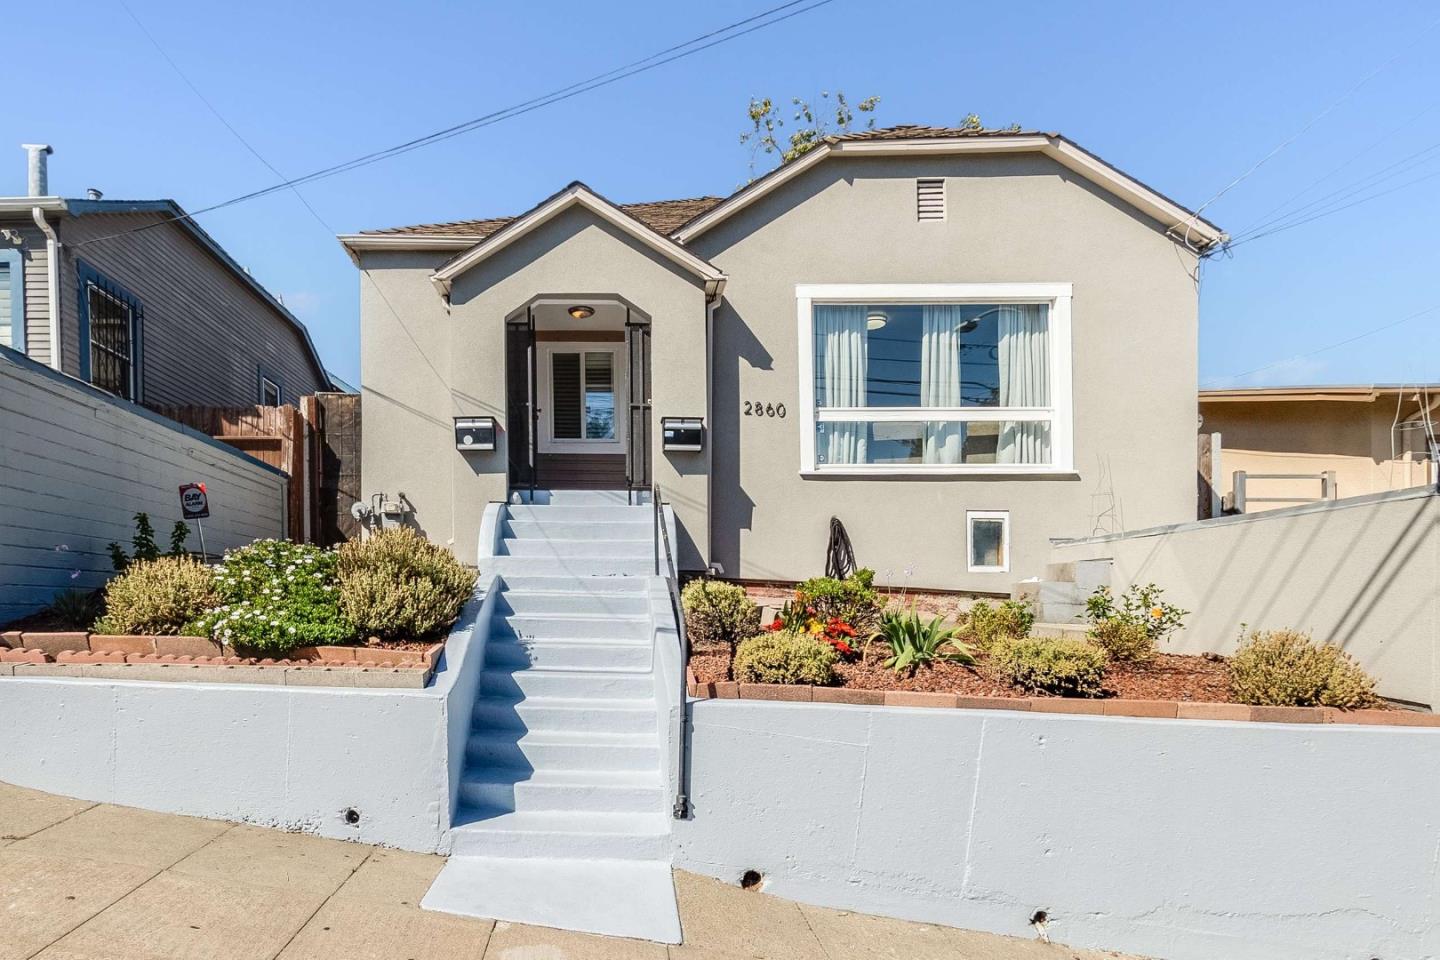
{"type": "Point", "coordinates": [474, 433]}
{"type": "Point", "coordinates": [683, 434]}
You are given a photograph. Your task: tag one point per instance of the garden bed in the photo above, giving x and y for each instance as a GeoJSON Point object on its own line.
{"type": "Point", "coordinates": [1169, 676]}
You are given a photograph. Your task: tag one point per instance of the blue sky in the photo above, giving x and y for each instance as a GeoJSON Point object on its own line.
{"type": "Point", "coordinates": [1184, 97]}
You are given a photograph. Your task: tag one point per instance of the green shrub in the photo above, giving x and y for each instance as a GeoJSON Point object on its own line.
{"type": "Point", "coordinates": [915, 642]}
{"type": "Point", "coordinates": [395, 584]}
{"type": "Point", "coordinates": [1138, 605]}
{"type": "Point", "coordinates": [718, 613]}
{"type": "Point", "coordinates": [1071, 668]}
{"type": "Point", "coordinates": [275, 596]}
{"type": "Point", "coordinates": [985, 625]}
{"type": "Point", "coordinates": [160, 596]}
{"type": "Point", "coordinates": [1286, 668]}
{"type": "Point", "coordinates": [75, 609]}
{"type": "Point", "coordinates": [1125, 640]}
{"type": "Point", "coordinates": [785, 657]}
{"type": "Point", "coordinates": [853, 600]}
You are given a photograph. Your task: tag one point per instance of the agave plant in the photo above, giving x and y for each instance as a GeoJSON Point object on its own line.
{"type": "Point", "coordinates": [914, 641]}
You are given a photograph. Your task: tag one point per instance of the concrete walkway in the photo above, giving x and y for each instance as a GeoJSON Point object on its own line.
{"type": "Point", "coordinates": [83, 881]}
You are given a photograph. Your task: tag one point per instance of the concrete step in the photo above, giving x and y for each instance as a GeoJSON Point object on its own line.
{"type": "Point", "coordinates": [607, 549]}
{"type": "Point", "coordinates": [567, 713]}
{"type": "Point", "coordinates": [1073, 631]}
{"type": "Point", "coordinates": [617, 791]}
{"type": "Point", "coordinates": [1041, 592]}
{"type": "Point", "coordinates": [582, 514]}
{"type": "Point", "coordinates": [639, 528]}
{"type": "Point", "coordinates": [586, 498]}
{"type": "Point", "coordinates": [488, 832]}
{"type": "Point", "coordinates": [557, 626]}
{"type": "Point", "coordinates": [590, 585]}
{"type": "Point", "coordinates": [599, 656]}
{"type": "Point", "coordinates": [617, 898]}
{"type": "Point", "coordinates": [563, 751]}
{"type": "Point", "coordinates": [508, 566]}
{"type": "Point", "coordinates": [575, 602]}
{"type": "Point", "coordinates": [1087, 575]}
{"type": "Point", "coordinates": [496, 681]}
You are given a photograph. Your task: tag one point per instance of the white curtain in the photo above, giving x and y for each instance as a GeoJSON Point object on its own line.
{"type": "Point", "coordinates": [840, 329]}
{"type": "Point", "coordinates": [940, 378]}
{"type": "Point", "coordinates": [1024, 354]}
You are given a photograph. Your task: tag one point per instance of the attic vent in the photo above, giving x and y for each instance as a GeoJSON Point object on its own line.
{"type": "Point", "coordinates": [930, 199]}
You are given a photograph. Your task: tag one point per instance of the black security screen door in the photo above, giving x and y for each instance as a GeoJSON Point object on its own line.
{"type": "Point", "coordinates": [520, 412]}
{"type": "Point", "coordinates": [637, 455]}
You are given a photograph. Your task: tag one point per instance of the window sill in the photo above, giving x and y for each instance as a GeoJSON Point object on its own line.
{"type": "Point", "coordinates": [905, 472]}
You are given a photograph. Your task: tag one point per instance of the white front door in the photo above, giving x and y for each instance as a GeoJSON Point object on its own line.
{"type": "Point", "coordinates": [581, 385]}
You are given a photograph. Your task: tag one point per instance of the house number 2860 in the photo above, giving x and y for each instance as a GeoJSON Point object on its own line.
{"type": "Point", "coordinates": [754, 408]}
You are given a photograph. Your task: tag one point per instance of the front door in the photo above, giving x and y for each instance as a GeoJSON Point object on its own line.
{"type": "Point", "coordinates": [581, 427]}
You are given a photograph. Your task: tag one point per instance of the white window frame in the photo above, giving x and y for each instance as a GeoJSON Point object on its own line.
{"type": "Point", "coordinates": [970, 517]}
{"type": "Point", "coordinates": [1059, 413]}
{"type": "Point", "coordinates": [549, 443]}
{"type": "Point", "coordinates": [279, 397]}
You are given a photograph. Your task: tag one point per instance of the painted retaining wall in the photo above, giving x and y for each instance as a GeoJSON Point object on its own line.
{"type": "Point", "coordinates": [290, 757]}
{"type": "Point", "coordinates": [77, 464]}
{"type": "Point", "coordinates": [1362, 573]}
{"type": "Point", "coordinates": [1187, 840]}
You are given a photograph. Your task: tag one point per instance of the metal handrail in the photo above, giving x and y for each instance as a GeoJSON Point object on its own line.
{"type": "Point", "coordinates": [670, 572]}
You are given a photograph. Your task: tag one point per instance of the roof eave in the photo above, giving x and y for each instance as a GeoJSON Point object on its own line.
{"type": "Point", "coordinates": [577, 194]}
{"type": "Point", "coordinates": [1182, 225]}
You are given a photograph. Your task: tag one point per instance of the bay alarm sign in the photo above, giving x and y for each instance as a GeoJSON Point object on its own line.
{"type": "Point", "coordinates": [194, 504]}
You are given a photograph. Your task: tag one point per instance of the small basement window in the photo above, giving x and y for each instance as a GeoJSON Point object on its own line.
{"type": "Point", "coordinates": [930, 199]}
{"type": "Point", "coordinates": [987, 541]}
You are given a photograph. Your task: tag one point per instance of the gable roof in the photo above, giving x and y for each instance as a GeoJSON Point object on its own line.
{"type": "Point", "coordinates": [578, 194]}
{"type": "Point", "coordinates": [79, 208]}
{"type": "Point", "coordinates": [683, 220]}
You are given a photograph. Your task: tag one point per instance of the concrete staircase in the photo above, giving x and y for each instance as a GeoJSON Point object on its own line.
{"type": "Point", "coordinates": [563, 819]}
{"type": "Point", "coordinates": [1059, 599]}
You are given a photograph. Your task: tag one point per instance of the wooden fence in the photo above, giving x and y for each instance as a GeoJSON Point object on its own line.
{"type": "Point", "coordinates": [317, 444]}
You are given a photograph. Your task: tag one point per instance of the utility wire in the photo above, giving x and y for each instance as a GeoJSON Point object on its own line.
{"type": "Point", "coordinates": [679, 51]}
{"type": "Point", "coordinates": [1334, 210]}
{"type": "Point", "coordinates": [221, 117]}
{"type": "Point", "coordinates": [1340, 343]}
{"type": "Point", "coordinates": [1309, 124]}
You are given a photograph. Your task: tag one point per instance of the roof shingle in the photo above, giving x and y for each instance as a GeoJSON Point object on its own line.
{"type": "Point", "coordinates": [662, 216]}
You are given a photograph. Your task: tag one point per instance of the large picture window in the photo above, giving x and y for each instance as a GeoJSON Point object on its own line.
{"type": "Point", "coordinates": [935, 378]}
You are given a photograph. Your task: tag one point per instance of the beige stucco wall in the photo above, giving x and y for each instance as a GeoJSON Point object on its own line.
{"type": "Point", "coordinates": [1010, 219]}
{"type": "Point", "coordinates": [1363, 573]}
{"type": "Point", "coordinates": [1352, 437]}
{"type": "Point", "coordinates": [422, 365]}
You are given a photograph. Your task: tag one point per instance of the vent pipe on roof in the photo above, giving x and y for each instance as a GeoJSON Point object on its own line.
{"type": "Point", "coordinates": [39, 174]}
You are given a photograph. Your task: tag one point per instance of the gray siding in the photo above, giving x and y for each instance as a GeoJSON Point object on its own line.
{"type": "Point", "coordinates": [78, 465]}
{"type": "Point", "coordinates": [206, 331]}
{"type": "Point", "coordinates": [37, 287]}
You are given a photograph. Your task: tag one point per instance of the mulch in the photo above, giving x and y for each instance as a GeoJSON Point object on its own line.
{"type": "Point", "coordinates": [1169, 676]}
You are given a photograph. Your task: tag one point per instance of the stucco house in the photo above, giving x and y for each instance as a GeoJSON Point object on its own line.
{"type": "Point", "coordinates": [960, 343]}
{"type": "Point", "coordinates": [1369, 438]}
{"type": "Point", "coordinates": [133, 297]}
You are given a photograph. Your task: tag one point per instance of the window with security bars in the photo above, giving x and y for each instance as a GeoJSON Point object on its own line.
{"type": "Point", "coordinates": [112, 322]}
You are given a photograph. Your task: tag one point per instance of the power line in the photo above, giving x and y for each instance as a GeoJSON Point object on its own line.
{"type": "Point", "coordinates": [1334, 210]}
{"type": "Point", "coordinates": [1310, 123]}
{"type": "Point", "coordinates": [221, 117]}
{"type": "Point", "coordinates": [1349, 340]}
{"type": "Point", "coordinates": [670, 54]}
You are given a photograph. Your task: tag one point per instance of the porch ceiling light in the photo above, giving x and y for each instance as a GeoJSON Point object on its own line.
{"type": "Point", "coordinates": [875, 320]}
{"type": "Point", "coordinates": [581, 312]}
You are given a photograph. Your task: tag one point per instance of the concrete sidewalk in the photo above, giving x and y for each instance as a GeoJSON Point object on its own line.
{"type": "Point", "coordinates": [82, 881]}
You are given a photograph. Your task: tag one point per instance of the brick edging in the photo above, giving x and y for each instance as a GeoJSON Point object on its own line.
{"type": "Point", "coordinates": [1166, 709]}
{"type": "Point", "coordinates": [200, 659]}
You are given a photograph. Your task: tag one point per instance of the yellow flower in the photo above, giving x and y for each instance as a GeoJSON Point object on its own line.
{"type": "Point", "coordinates": [1156, 612]}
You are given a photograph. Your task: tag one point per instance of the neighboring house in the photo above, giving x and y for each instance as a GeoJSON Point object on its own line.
{"type": "Point", "coordinates": [959, 343]}
{"type": "Point", "coordinates": [134, 298]}
{"type": "Point", "coordinates": [1372, 438]}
